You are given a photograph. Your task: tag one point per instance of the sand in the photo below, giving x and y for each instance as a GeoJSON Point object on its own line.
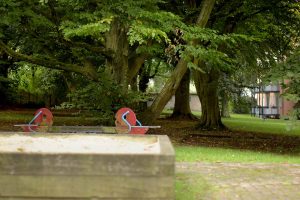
{"type": "Point", "coordinates": [73, 143]}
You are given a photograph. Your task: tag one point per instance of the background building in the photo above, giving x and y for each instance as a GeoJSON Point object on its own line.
{"type": "Point", "coordinates": [270, 103]}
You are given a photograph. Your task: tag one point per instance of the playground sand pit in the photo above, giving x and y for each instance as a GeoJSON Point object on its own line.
{"type": "Point", "coordinates": [74, 144]}
{"type": "Point", "coordinates": [85, 166]}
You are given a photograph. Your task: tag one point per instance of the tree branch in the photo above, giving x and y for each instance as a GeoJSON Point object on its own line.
{"type": "Point", "coordinates": [135, 64]}
{"type": "Point", "coordinates": [50, 62]}
{"type": "Point", "coordinates": [55, 20]}
{"type": "Point", "coordinates": [106, 52]}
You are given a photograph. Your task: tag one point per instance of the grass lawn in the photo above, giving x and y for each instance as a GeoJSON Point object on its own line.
{"type": "Point", "coordinates": [240, 122]}
{"type": "Point", "coordinates": [245, 122]}
{"type": "Point", "coordinates": [11, 117]}
{"type": "Point", "coordinates": [209, 154]}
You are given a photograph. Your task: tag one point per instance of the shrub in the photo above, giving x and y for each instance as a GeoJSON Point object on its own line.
{"type": "Point", "coordinates": [242, 104]}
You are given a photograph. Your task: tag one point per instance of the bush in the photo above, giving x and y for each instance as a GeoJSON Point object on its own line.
{"type": "Point", "coordinates": [103, 98]}
{"type": "Point", "coordinates": [242, 105]}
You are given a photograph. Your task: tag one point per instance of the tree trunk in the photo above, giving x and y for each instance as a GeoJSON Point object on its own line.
{"type": "Point", "coordinates": [225, 105]}
{"type": "Point", "coordinates": [207, 90]}
{"type": "Point", "coordinates": [144, 76]}
{"type": "Point", "coordinates": [173, 82]}
{"type": "Point", "coordinates": [133, 84]}
{"type": "Point", "coordinates": [182, 108]}
{"type": "Point", "coordinates": [4, 81]}
{"type": "Point", "coordinates": [135, 65]}
{"type": "Point", "coordinates": [166, 93]}
{"type": "Point", "coordinates": [117, 65]}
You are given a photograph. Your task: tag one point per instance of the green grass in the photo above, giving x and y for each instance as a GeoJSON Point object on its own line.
{"type": "Point", "coordinates": [27, 115]}
{"type": "Point", "coordinates": [245, 122]}
{"type": "Point", "coordinates": [209, 154]}
{"type": "Point", "coordinates": [15, 116]}
{"type": "Point", "coordinates": [254, 124]}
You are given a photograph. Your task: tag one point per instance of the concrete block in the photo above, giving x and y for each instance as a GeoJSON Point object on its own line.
{"type": "Point", "coordinates": [86, 166]}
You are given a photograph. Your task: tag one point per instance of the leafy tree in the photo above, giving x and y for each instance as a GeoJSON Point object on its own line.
{"type": "Point", "coordinates": [87, 38]}
{"type": "Point", "coordinates": [243, 18]}
{"type": "Point", "coordinates": [288, 73]}
{"type": "Point", "coordinates": [173, 82]}
{"type": "Point", "coordinates": [38, 81]}
{"type": "Point", "coordinates": [116, 37]}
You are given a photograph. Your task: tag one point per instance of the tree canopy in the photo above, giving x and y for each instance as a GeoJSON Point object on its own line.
{"type": "Point", "coordinates": [106, 45]}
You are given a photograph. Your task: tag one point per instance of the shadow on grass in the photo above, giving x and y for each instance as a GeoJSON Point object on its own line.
{"type": "Point", "coordinates": [262, 142]}
{"type": "Point", "coordinates": [184, 133]}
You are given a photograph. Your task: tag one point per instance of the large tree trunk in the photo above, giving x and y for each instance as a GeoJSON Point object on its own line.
{"type": "Point", "coordinates": [182, 108]}
{"type": "Point", "coordinates": [117, 65]}
{"type": "Point", "coordinates": [166, 93]}
{"type": "Point", "coordinates": [133, 84]}
{"type": "Point", "coordinates": [207, 90]}
{"type": "Point", "coordinates": [173, 82]}
{"type": "Point", "coordinates": [225, 104]}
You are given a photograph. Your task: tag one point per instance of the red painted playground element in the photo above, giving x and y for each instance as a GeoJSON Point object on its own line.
{"type": "Point", "coordinates": [126, 122]}
{"type": "Point", "coordinates": [41, 122]}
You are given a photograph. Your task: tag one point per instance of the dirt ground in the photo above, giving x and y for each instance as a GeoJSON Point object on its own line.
{"type": "Point", "coordinates": [186, 133]}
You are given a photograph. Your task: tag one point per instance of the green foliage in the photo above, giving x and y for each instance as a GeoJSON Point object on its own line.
{"type": "Point", "coordinates": [72, 32]}
{"type": "Point", "coordinates": [141, 34]}
{"type": "Point", "coordinates": [154, 49]}
{"type": "Point", "coordinates": [37, 81]}
{"type": "Point", "coordinates": [92, 29]}
{"type": "Point", "coordinates": [296, 113]}
{"type": "Point", "coordinates": [143, 20]}
{"type": "Point", "coordinates": [213, 48]}
{"type": "Point", "coordinates": [211, 56]}
{"type": "Point", "coordinates": [241, 104]}
{"type": "Point", "coordinates": [289, 70]}
{"type": "Point", "coordinates": [152, 26]}
{"type": "Point", "coordinates": [105, 97]}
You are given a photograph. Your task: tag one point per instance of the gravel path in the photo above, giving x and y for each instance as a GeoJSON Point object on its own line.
{"type": "Point", "coordinates": [245, 181]}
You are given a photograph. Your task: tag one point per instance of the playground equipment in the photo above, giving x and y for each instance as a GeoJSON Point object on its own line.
{"type": "Point", "coordinates": [126, 122]}
{"type": "Point", "coordinates": [41, 122]}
